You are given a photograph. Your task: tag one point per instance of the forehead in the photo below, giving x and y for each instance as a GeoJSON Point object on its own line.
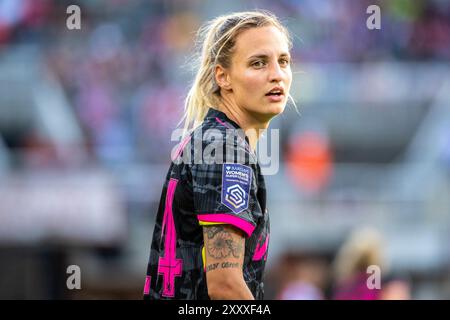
{"type": "Point", "coordinates": [263, 40]}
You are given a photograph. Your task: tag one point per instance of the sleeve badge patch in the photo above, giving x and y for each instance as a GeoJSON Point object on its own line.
{"type": "Point", "coordinates": [236, 181]}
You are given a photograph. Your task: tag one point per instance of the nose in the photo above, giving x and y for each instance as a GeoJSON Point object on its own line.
{"type": "Point", "coordinates": [275, 73]}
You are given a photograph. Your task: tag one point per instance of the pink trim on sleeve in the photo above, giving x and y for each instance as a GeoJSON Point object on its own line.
{"type": "Point", "coordinates": [240, 223]}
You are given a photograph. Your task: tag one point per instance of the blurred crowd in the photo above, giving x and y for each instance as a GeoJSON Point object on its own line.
{"type": "Point", "coordinates": [126, 74]}
{"type": "Point", "coordinates": [358, 270]}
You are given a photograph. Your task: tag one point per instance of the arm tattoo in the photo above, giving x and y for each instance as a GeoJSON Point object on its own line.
{"type": "Point", "coordinates": [212, 267]}
{"type": "Point", "coordinates": [223, 265]}
{"type": "Point", "coordinates": [212, 231]}
{"type": "Point", "coordinates": [221, 243]}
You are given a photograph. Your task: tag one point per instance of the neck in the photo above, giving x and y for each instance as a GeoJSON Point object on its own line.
{"type": "Point", "coordinates": [252, 126]}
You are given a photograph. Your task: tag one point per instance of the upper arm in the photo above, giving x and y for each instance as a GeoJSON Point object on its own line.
{"type": "Point", "coordinates": [224, 253]}
{"type": "Point", "coordinates": [226, 194]}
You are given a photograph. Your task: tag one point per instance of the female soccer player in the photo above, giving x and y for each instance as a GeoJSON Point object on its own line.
{"type": "Point", "coordinates": [212, 227]}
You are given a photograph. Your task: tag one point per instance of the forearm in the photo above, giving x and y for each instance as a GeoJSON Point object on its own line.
{"type": "Point", "coordinates": [237, 290]}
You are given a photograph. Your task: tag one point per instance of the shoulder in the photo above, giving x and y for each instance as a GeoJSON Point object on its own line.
{"type": "Point", "coordinates": [213, 143]}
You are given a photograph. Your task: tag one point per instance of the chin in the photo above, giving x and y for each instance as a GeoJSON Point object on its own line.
{"type": "Point", "coordinates": [269, 112]}
{"type": "Point", "coordinates": [275, 109]}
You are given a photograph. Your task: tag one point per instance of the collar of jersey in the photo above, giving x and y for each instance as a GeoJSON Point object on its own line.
{"type": "Point", "coordinates": [214, 113]}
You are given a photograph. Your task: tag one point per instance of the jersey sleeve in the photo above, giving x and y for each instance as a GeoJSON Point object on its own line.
{"type": "Point", "coordinates": [226, 193]}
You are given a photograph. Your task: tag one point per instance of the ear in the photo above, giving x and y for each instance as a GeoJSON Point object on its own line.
{"type": "Point", "coordinates": [222, 77]}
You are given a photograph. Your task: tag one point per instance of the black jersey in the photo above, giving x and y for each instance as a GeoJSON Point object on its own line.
{"type": "Point", "coordinates": [198, 191]}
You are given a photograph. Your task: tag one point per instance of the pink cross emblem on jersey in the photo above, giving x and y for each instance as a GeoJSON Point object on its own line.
{"type": "Point", "coordinates": [169, 266]}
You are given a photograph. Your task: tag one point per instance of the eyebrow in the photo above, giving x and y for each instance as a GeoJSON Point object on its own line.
{"type": "Point", "coordinates": [264, 56]}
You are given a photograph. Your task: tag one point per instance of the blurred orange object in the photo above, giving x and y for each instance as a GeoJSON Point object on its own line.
{"type": "Point", "coordinates": [309, 161]}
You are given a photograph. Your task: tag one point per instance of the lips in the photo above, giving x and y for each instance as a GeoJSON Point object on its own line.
{"type": "Point", "coordinates": [276, 94]}
{"type": "Point", "coordinates": [276, 91]}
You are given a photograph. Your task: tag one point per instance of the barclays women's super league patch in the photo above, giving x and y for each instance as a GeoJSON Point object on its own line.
{"type": "Point", "coordinates": [236, 181]}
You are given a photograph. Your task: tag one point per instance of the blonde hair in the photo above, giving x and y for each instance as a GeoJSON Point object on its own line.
{"type": "Point", "coordinates": [363, 248]}
{"type": "Point", "coordinates": [218, 37]}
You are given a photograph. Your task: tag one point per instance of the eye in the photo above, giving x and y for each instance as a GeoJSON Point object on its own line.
{"type": "Point", "coordinates": [284, 61]}
{"type": "Point", "coordinates": [258, 64]}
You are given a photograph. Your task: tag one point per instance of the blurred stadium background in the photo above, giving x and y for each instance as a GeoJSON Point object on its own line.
{"type": "Point", "coordinates": [86, 118]}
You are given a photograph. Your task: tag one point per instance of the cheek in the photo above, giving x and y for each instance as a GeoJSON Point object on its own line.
{"type": "Point", "coordinates": [251, 83]}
